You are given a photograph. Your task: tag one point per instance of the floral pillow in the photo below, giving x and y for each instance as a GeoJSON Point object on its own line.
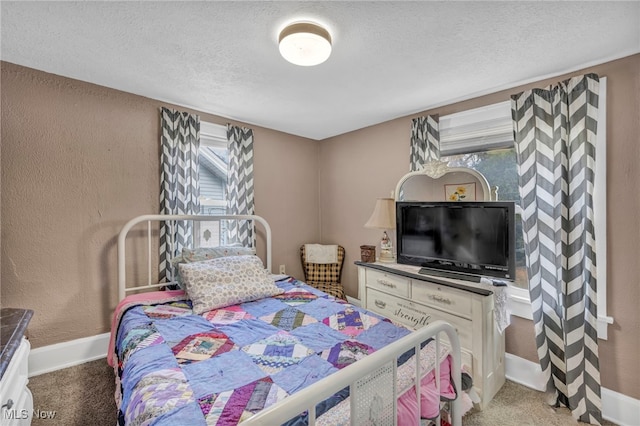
{"type": "Point", "coordinates": [225, 281]}
{"type": "Point", "coordinates": [190, 255]}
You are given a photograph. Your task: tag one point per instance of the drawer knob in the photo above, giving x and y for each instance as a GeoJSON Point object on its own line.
{"type": "Point", "coordinates": [8, 405]}
{"type": "Point", "coordinates": [380, 304]}
{"type": "Point", "coordinates": [440, 299]}
{"type": "Point", "coordinates": [387, 283]}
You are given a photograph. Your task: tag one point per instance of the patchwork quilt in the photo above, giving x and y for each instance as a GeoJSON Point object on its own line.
{"type": "Point", "coordinates": [219, 368]}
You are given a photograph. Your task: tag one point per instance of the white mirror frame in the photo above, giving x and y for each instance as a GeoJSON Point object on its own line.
{"type": "Point", "coordinates": [489, 194]}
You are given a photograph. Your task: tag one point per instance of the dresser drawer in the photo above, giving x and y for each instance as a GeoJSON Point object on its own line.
{"type": "Point", "coordinates": [416, 315]}
{"type": "Point", "coordinates": [389, 283]}
{"type": "Point", "coordinates": [442, 297]}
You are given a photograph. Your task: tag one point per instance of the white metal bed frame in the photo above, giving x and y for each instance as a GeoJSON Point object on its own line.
{"type": "Point", "coordinates": [371, 380]}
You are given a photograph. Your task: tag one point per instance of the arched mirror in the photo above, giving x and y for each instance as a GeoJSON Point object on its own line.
{"type": "Point", "coordinates": [444, 184]}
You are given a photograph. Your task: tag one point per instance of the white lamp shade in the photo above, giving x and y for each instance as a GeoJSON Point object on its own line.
{"type": "Point", "coordinates": [305, 44]}
{"type": "Point", "coordinates": [384, 215]}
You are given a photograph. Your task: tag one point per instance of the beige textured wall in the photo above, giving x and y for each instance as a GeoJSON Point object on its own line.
{"type": "Point", "coordinates": [78, 161]}
{"type": "Point", "coordinates": [358, 167]}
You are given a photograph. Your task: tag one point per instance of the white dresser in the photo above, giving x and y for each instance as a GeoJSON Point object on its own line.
{"type": "Point", "coordinates": [16, 400]}
{"type": "Point", "coordinates": [399, 292]}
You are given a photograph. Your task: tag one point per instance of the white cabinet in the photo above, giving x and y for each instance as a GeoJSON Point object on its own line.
{"type": "Point", "coordinates": [16, 402]}
{"type": "Point", "coordinates": [15, 397]}
{"type": "Point", "coordinates": [400, 293]}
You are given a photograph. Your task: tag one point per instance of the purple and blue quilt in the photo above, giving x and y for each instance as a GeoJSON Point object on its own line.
{"type": "Point", "coordinates": [221, 367]}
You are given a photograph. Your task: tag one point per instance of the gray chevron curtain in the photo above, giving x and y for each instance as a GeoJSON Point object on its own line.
{"type": "Point", "coordinates": [555, 136]}
{"type": "Point", "coordinates": [240, 184]}
{"type": "Point", "coordinates": [425, 141]}
{"type": "Point", "coordinates": [179, 190]}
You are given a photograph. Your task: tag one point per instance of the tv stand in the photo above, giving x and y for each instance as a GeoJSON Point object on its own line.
{"type": "Point", "coordinates": [450, 274]}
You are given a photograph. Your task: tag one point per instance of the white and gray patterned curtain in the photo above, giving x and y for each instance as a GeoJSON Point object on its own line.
{"type": "Point", "coordinates": [555, 136]}
{"type": "Point", "coordinates": [425, 142]}
{"type": "Point", "coordinates": [179, 189]}
{"type": "Point", "coordinates": [240, 184]}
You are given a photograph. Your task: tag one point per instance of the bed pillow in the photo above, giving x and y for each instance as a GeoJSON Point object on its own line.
{"type": "Point", "coordinates": [225, 281]}
{"type": "Point", "coordinates": [190, 255]}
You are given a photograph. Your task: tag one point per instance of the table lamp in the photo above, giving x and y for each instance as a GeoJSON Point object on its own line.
{"type": "Point", "coordinates": [384, 217]}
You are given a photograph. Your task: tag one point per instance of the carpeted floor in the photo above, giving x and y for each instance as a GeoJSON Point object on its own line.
{"type": "Point", "coordinates": [80, 396]}
{"type": "Point", "coordinates": [84, 396]}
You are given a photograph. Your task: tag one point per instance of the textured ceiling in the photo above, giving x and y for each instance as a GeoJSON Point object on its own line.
{"type": "Point", "coordinates": [390, 59]}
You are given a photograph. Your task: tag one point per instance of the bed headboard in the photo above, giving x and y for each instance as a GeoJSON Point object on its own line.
{"type": "Point", "coordinates": [171, 219]}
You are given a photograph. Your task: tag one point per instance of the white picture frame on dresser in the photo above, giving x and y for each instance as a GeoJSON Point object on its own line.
{"type": "Point", "coordinates": [400, 293]}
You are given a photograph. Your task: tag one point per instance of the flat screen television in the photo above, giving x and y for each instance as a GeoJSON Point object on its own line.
{"type": "Point", "coordinates": [465, 240]}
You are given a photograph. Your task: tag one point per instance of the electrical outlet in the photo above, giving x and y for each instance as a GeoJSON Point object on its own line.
{"type": "Point", "coordinates": [282, 270]}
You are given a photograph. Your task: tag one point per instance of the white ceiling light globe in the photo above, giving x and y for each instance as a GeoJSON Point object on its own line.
{"type": "Point", "coordinates": [305, 44]}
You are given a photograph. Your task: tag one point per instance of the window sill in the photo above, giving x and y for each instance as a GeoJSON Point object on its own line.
{"type": "Point", "coordinates": [520, 306]}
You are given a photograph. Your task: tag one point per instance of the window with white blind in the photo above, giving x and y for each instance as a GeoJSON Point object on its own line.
{"type": "Point", "coordinates": [482, 139]}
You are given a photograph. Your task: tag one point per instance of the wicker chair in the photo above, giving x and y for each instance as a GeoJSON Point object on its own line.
{"type": "Point", "coordinates": [324, 276]}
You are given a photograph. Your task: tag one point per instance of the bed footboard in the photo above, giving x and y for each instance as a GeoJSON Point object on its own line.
{"type": "Point", "coordinates": [372, 384]}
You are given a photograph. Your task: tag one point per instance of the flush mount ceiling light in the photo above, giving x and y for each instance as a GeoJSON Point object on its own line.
{"type": "Point", "coordinates": [305, 44]}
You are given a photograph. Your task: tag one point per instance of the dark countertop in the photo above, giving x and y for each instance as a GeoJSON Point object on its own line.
{"type": "Point", "coordinates": [13, 325]}
{"type": "Point", "coordinates": [412, 272]}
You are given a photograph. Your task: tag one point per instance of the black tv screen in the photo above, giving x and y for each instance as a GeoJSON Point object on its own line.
{"type": "Point", "coordinates": [469, 238]}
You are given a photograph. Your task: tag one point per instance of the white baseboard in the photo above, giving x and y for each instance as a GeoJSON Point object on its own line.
{"type": "Point", "coordinates": [616, 407]}
{"type": "Point", "coordinates": [67, 354]}
{"type": "Point", "coordinates": [619, 408]}
{"type": "Point", "coordinates": [524, 372]}
{"type": "Point", "coordinates": [353, 301]}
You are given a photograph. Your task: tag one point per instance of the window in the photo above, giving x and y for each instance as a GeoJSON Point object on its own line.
{"type": "Point", "coordinates": [482, 139]}
{"type": "Point", "coordinates": [500, 169]}
{"type": "Point", "coordinates": [212, 176]}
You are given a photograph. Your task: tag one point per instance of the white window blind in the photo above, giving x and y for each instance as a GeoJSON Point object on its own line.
{"type": "Point", "coordinates": [479, 129]}
{"type": "Point", "coordinates": [214, 135]}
